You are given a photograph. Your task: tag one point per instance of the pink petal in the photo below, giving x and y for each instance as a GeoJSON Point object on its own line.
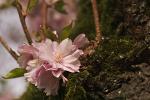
{"type": "Point", "coordinates": [69, 59]}
{"type": "Point", "coordinates": [45, 50]}
{"type": "Point", "coordinates": [47, 66]}
{"type": "Point", "coordinates": [73, 57]}
{"type": "Point", "coordinates": [31, 76]}
{"type": "Point", "coordinates": [48, 82]}
{"type": "Point", "coordinates": [43, 80]}
{"type": "Point", "coordinates": [64, 78]}
{"type": "Point", "coordinates": [33, 63]}
{"type": "Point", "coordinates": [66, 47]}
{"type": "Point", "coordinates": [27, 49]}
{"type": "Point", "coordinates": [69, 69]}
{"type": "Point", "coordinates": [76, 63]}
{"type": "Point", "coordinates": [57, 73]}
{"type": "Point", "coordinates": [54, 46]}
{"type": "Point", "coordinates": [77, 53]}
{"type": "Point", "coordinates": [23, 60]}
{"type": "Point", "coordinates": [80, 41]}
{"type": "Point", "coordinates": [72, 67]}
{"type": "Point", "coordinates": [52, 67]}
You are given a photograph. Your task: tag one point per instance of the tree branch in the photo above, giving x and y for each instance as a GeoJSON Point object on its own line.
{"type": "Point", "coordinates": [98, 37]}
{"type": "Point", "coordinates": [13, 53]}
{"type": "Point", "coordinates": [94, 44]}
{"type": "Point", "coordinates": [22, 20]}
{"type": "Point", "coordinates": [44, 19]}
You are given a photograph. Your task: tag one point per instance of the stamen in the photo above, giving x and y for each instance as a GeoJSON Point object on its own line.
{"type": "Point", "coordinates": [58, 57]}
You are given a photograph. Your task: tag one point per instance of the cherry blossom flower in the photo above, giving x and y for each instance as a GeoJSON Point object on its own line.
{"type": "Point", "coordinates": [46, 61]}
{"type": "Point", "coordinates": [62, 57]}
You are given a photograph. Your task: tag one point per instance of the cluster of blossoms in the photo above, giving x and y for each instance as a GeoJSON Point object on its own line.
{"type": "Point", "coordinates": [46, 61]}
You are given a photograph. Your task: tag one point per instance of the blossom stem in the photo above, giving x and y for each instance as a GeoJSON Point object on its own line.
{"type": "Point", "coordinates": [94, 44]}
{"type": "Point", "coordinates": [98, 37]}
{"type": "Point", "coordinates": [22, 20]}
{"type": "Point", "coordinates": [5, 45]}
{"type": "Point", "coordinates": [44, 19]}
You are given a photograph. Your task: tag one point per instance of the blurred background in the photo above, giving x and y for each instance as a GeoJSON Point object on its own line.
{"type": "Point", "coordinates": [11, 30]}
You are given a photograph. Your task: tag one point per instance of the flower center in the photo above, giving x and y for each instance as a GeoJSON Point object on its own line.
{"type": "Point", "coordinates": [58, 57]}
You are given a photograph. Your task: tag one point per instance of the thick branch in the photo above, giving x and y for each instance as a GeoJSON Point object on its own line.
{"type": "Point", "coordinates": [22, 19]}
{"type": "Point", "coordinates": [13, 54]}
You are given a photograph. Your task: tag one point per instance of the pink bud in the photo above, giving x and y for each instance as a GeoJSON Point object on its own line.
{"type": "Point", "coordinates": [80, 41]}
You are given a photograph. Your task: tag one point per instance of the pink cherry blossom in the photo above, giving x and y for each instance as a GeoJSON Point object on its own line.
{"type": "Point", "coordinates": [46, 61]}
{"type": "Point", "coordinates": [62, 57]}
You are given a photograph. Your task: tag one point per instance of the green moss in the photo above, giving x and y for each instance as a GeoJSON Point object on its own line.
{"type": "Point", "coordinates": [76, 93]}
{"type": "Point", "coordinates": [33, 93]}
{"type": "Point", "coordinates": [74, 88]}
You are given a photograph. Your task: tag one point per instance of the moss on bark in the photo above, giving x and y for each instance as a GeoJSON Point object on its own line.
{"type": "Point", "coordinates": [125, 29]}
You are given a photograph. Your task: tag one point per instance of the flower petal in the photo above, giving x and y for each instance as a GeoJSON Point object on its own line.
{"type": "Point", "coordinates": [27, 49]}
{"type": "Point", "coordinates": [64, 78]}
{"type": "Point", "coordinates": [69, 59]}
{"type": "Point", "coordinates": [66, 47]}
{"type": "Point", "coordinates": [72, 67]}
{"type": "Point", "coordinates": [45, 50]}
{"type": "Point", "coordinates": [73, 57]}
{"type": "Point", "coordinates": [33, 63]}
{"type": "Point", "coordinates": [57, 73]}
{"type": "Point", "coordinates": [23, 60]}
{"type": "Point", "coordinates": [80, 41]}
{"type": "Point", "coordinates": [54, 46]}
{"type": "Point", "coordinates": [63, 67]}
{"type": "Point", "coordinates": [43, 80]}
{"type": "Point", "coordinates": [48, 82]}
{"type": "Point", "coordinates": [77, 53]}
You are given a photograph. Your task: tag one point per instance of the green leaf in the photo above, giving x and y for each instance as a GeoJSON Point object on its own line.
{"type": "Point", "coordinates": [59, 6]}
{"type": "Point", "coordinates": [31, 5]}
{"type": "Point", "coordinates": [17, 72]}
{"type": "Point", "coordinates": [66, 32]}
{"type": "Point", "coordinates": [50, 34]}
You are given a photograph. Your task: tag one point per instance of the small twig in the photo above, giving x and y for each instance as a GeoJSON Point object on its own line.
{"type": "Point", "coordinates": [97, 24]}
{"type": "Point", "coordinates": [44, 14]}
{"type": "Point", "coordinates": [94, 44]}
{"type": "Point", "coordinates": [22, 20]}
{"type": "Point", "coordinates": [44, 19]}
{"type": "Point", "coordinates": [13, 53]}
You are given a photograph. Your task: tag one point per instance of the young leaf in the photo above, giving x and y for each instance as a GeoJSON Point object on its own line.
{"type": "Point", "coordinates": [31, 5]}
{"type": "Point", "coordinates": [50, 34]}
{"type": "Point", "coordinates": [59, 6]}
{"type": "Point", "coordinates": [17, 72]}
{"type": "Point", "coordinates": [66, 32]}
